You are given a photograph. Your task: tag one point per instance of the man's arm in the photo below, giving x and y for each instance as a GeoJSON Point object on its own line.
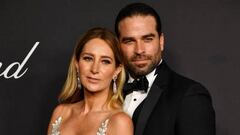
{"type": "Point", "coordinates": [196, 115]}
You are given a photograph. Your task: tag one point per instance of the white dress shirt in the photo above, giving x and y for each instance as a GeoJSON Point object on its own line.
{"type": "Point", "coordinates": [132, 100]}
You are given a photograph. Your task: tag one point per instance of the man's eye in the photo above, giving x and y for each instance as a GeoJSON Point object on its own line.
{"type": "Point", "coordinates": [148, 39]}
{"type": "Point", "coordinates": [128, 42]}
{"type": "Point", "coordinates": [87, 58]}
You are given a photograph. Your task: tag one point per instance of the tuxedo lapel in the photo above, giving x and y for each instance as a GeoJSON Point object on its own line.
{"type": "Point", "coordinates": [147, 108]}
{"type": "Point", "coordinates": [153, 96]}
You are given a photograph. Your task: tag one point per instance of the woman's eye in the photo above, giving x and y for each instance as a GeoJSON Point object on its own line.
{"type": "Point", "coordinates": [86, 58]}
{"type": "Point", "coordinates": [106, 61]}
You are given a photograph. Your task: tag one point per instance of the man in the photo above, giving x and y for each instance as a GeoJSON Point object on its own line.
{"type": "Point", "coordinates": [167, 103]}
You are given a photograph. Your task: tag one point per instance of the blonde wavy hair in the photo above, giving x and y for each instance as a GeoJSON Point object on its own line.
{"type": "Point", "coordinates": [70, 92]}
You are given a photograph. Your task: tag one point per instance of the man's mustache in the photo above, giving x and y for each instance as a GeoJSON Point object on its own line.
{"type": "Point", "coordinates": [140, 57]}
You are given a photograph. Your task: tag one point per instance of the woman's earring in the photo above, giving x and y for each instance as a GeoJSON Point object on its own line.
{"type": "Point", "coordinates": [114, 85]}
{"type": "Point", "coordinates": [78, 81]}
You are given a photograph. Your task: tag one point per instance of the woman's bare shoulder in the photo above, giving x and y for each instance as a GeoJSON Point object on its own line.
{"type": "Point", "coordinates": [58, 111]}
{"type": "Point", "coordinates": [120, 123]}
{"type": "Point", "coordinates": [56, 116]}
{"type": "Point", "coordinates": [120, 117]}
{"type": "Point", "coordinates": [65, 109]}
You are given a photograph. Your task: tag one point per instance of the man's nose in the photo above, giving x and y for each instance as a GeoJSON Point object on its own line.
{"type": "Point", "coordinates": [139, 47]}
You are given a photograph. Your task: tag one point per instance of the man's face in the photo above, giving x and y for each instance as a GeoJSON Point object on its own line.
{"type": "Point", "coordinates": [141, 44]}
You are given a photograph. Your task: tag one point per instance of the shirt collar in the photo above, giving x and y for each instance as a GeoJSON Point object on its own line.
{"type": "Point", "coordinates": [150, 77]}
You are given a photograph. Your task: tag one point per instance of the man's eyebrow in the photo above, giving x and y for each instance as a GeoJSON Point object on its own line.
{"type": "Point", "coordinates": [149, 35]}
{"type": "Point", "coordinates": [127, 38]}
{"type": "Point", "coordinates": [132, 38]}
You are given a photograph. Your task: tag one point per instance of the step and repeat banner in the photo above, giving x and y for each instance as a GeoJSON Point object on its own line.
{"type": "Point", "coordinates": [37, 38]}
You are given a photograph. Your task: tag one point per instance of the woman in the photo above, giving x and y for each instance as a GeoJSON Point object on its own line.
{"type": "Point", "coordinates": [91, 100]}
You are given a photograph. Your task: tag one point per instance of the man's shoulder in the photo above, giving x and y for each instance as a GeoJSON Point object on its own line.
{"type": "Point", "coordinates": [181, 83]}
{"type": "Point", "coordinates": [170, 77]}
{"type": "Point", "coordinates": [187, 85]}
{"type": "Point", "coordinates": [183, 80]}
{"type": "Point", "coordinates": [176, 83]}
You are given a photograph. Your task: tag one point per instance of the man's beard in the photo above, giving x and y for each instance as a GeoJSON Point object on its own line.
{"type": "Point", "coordinates": [138, 71]}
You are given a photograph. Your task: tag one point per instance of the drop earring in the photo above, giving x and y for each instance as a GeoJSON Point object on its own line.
{"type": "Point", "coordinates": [78, 81]}
{"type": "Point", "coordinates": [114, 85]}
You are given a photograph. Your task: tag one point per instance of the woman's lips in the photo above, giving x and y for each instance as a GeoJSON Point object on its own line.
{"type": "Point", "coordinates": [93, 79]}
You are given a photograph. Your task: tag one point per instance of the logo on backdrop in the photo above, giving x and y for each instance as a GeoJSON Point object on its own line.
{"type": "Point", "coordinates": [20, 66]}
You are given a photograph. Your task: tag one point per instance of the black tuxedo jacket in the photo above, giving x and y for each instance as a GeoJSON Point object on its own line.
{"type": "Point", "coordinates": [175, 105]}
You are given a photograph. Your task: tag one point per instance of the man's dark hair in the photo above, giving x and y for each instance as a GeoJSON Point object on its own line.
{"type": "Point", "coordinates": [138, 9]}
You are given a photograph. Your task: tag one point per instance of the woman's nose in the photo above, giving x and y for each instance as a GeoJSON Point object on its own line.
{"type": "Point", "coordinates": [95, 67]}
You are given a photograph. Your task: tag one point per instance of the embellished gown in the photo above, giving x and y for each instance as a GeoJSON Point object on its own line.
{"type": "Point", "coordinates": [55, 127]}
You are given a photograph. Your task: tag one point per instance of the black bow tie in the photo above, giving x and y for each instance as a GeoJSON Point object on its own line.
{"type": "Point", "coordinates": [140, 84]}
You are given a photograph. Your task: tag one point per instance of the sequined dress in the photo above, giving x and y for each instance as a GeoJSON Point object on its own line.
{"type": "Point", "coordinates": [55, 127]}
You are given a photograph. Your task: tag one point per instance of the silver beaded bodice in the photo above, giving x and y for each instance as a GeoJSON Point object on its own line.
{"type": "Point", "coordinates": [103, 128]}
{"type": "Point", "coordinates": [55, 127]}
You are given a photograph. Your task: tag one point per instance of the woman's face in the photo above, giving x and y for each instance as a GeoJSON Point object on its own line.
{"type": "Point", "coordinates": [97, 66]}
